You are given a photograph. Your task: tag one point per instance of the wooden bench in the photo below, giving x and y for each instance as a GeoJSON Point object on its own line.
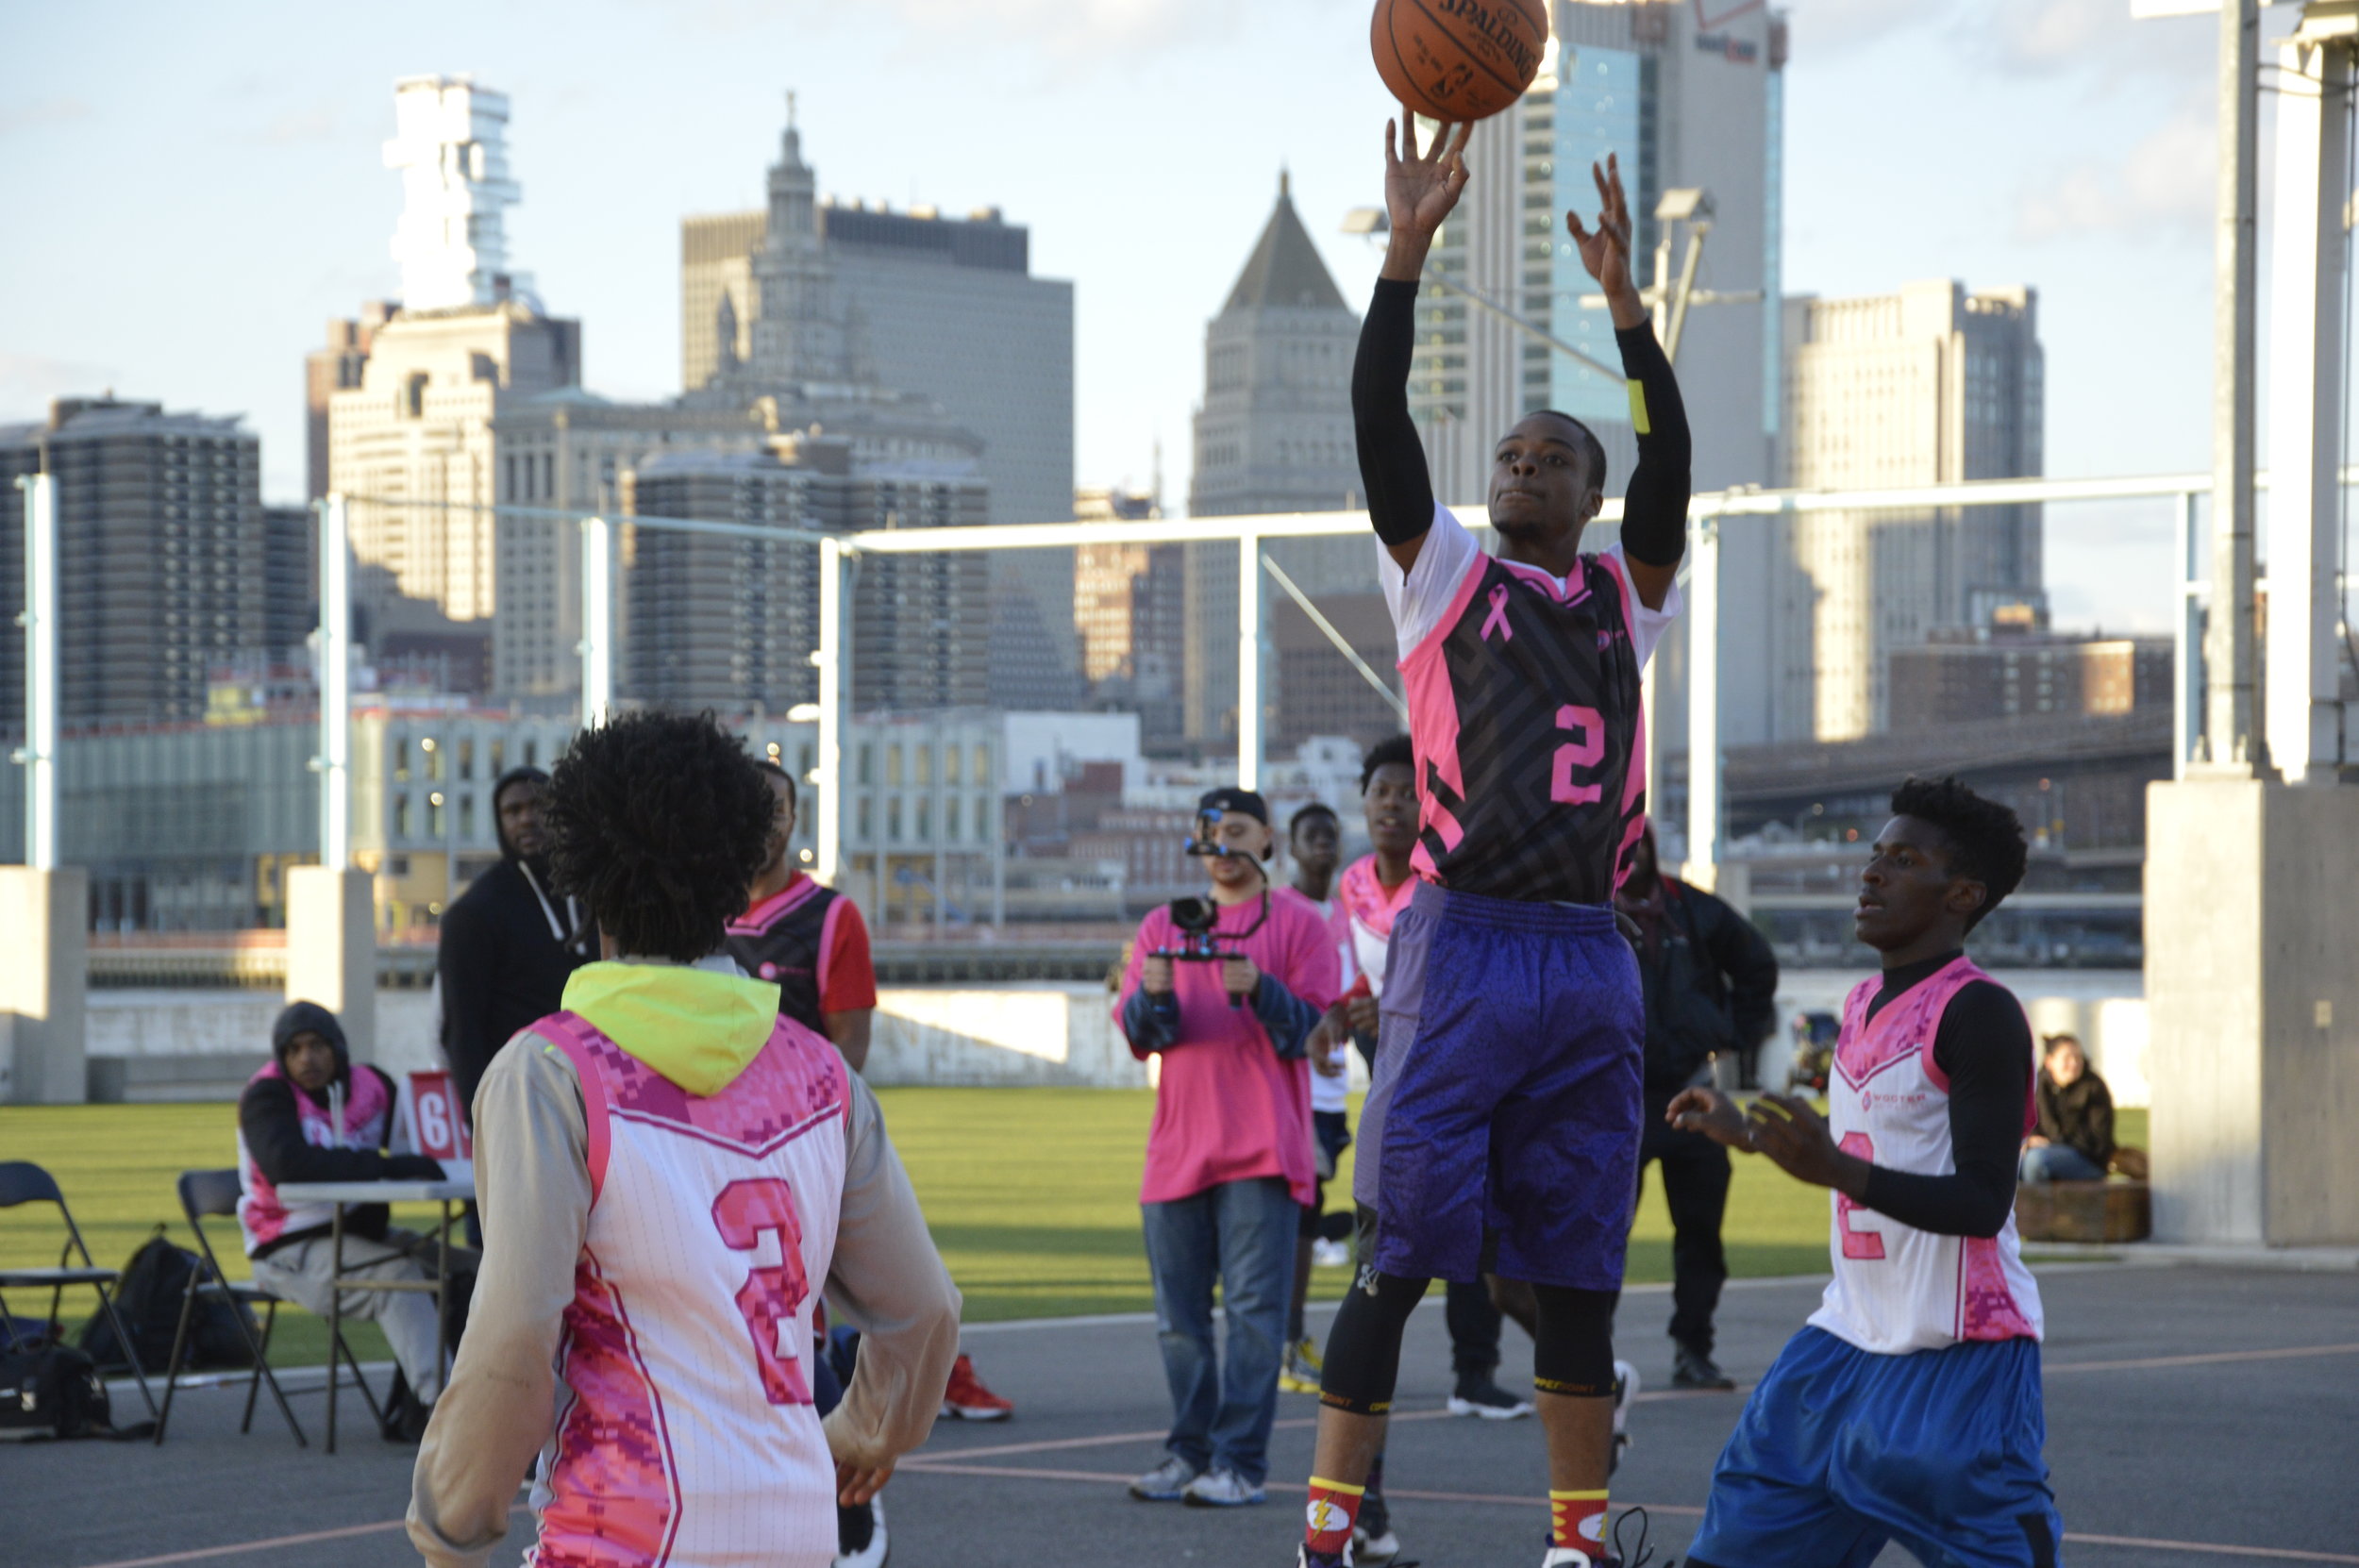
{"type": "Point", "coordinates": [2095, 1211]}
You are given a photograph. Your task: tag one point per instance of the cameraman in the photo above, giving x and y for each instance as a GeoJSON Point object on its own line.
{"type": "Point", "coordinates": [1226, 991]}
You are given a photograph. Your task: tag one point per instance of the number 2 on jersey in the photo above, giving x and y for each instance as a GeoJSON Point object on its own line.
{"type": "Point", "coordinates": [1862, 1244]}
{"type": "Point", "coordinates": [1586, 750]}
{"type": "Point", "coordinates": [772, 1295]}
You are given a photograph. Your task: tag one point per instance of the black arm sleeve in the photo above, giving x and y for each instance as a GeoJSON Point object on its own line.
{"type": "Point", "coordinates": [1392, 459]}
{"type": "Point", "coordinates": [1655, 516]}
{"type": "Point", "coordinates": [468, 959]}
{"type": "Point", "coordinates": [1985, 1047]}
{"type": "Point", "coordinates": [266, 1115]}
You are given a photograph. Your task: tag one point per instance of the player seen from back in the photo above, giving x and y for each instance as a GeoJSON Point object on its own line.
{"type": "Point", "coordinates": [1500, 1133]}
{"type": "Point", "coordinates": [670, 1173]}
{"type": "Point", "coordinates": [1908, 1409]}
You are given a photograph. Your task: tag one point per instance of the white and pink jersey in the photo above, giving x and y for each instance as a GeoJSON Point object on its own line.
{"type": "Point", "coordinates": [1329, 1094]}
{"type": "Point", "coordinates": [1898, 1289]}
{"type": "Point", "coordinates": [361, 1118]}
{"type": "Point", "coordinates": [685, 1432]}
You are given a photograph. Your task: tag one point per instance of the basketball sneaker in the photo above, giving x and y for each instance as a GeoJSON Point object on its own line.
{"type": "Point", "coordinates": [966, 1399]}
{"type": "Point", "coordinates": [1692, 1368]}
{"type": "Point", "coordinates": [861, 1536]}
{"type": "Point", "coordinates": [1480, 1396]}
{"type": "Point", "coordinates": [1300, 1374]}
{"type": "Point", "coordinates": [1625, 1396]}
{"type": "Point", "coordinates": [1222, 1489]}
{"type": "Point", "coordinates": [1330, 1255]}
{"type": "Point", "coordinates": [1166, 1482]}
{"type": "Point", "coordinates": [1373, 1550]}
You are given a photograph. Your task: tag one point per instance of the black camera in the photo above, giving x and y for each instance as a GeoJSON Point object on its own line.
{"type": "Point", "coordinates": [1196, 919]}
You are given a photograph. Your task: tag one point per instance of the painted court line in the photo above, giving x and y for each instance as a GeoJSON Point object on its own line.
{"type": "Point", "coordinates": [310, 1538]}
{"type": "Point", "coordinates": [2278, 1554]}
{"type": "Point", "coordinates": [2284, 1354]}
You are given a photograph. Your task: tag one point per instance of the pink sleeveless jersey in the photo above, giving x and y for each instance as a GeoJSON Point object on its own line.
{"type": "Point", "coordinates": [354, 1119]}
{"type": "Point", "coordinates": [1898, 1289]}
{"type": "Point", "coordinates": [685, 1432]}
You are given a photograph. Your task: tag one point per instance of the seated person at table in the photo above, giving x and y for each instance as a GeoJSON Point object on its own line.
{"type": "Point", "coordinates": [315, 1115]}
{"type": "Point", "coordinates": [2075, 1139]}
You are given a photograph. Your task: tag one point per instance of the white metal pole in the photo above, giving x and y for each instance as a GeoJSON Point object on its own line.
{"type": "Point", "coordinates": [41, 671]}
{"type": "Point", "coordinates": [2229, 732]}
{"type": "Point", "coordinates": [335, 685]}
{"type": "Point", "coordinates": [1703, 696]}
{"type": "Point", "coordinates": [834, 690]}
{"type": "Point", "coordinates": [2306, 411]}
{"type": "Point", "coordinates": [2186, 642]}
{"type": "Point", "coordinates": [1249, 662]}
{"type": "Point", "coordinates": [597, 621]}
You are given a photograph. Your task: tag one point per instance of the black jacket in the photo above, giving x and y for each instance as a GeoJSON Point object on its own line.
{"type": "Point", "coordinates": [1710, 985]}
{"type": "Point", "coordinates": [507, 951]}
{"type": "Point", "coordinates": [2078, 1115]}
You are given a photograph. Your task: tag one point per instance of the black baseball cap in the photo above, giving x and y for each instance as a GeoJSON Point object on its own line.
{"type": "Point", "coordinates": [1230, 799]}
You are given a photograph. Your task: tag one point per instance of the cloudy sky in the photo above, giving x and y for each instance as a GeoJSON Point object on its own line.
{"type": "Point", "coordinates": [196, 190]}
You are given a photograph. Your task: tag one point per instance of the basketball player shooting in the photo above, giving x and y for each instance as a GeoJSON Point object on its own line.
{"type": "Point", "coordinates": [1501, 1130]}
{"type": "Point", "coordinates": [1909, 1409]}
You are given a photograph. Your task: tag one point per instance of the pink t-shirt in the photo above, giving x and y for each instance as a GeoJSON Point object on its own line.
{"type": "Point", "coordinates": [1226, 1108]}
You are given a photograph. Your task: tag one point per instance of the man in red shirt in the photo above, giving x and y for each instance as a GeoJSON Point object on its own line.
{"type": "Point", "coordinates": [1228, 1159]}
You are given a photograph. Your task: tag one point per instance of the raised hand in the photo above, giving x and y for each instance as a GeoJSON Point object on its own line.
{"type": "Point", "coordinates": [1420, 188]}
{"type": "Point", "coordinates": [1605, 250]}
{"type": "Point", "coordinates": [1791, 1132]}
{"type": "Point", "coordinates": [1711, 1113]}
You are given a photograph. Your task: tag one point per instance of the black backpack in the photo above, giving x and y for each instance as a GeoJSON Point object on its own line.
{"type": "Point", "coordinates": [51, 1391]}
{"type": "Point", "coordinates": [148, 1301]}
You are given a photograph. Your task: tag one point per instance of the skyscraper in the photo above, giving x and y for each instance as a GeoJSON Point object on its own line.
{"type": "Point", "coordinates": [1130, 607]}
{"type": "Point", "coordinates": [1688, 98]}
{"type": "Point", "coordinates": [167, 564]}
{"type": "Point", "coordinates": [818, 290]}
{"type": "Point", "coordinates": [1273, 435]}
{"type": "Point", "coordinates": [1929, 385]}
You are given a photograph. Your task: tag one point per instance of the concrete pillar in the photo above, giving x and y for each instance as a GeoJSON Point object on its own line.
{"type": "Point", "coordinates": [2253, 1008]}
{"type": "Point", "coordinates": [331, 949]}
{"type": "Point", "coordinates": [44, 961]}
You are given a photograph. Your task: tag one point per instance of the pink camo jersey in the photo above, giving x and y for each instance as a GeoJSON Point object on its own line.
{"type": "Point", "coordinates": [1896, 1289]}
{"type": "Point", "coordinates": [685, 1432]}
{"type": "Point", "coordinates": [354, 1120]}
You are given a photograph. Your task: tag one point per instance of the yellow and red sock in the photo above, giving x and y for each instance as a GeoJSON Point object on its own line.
{"type": "Point", "coordinates": [1334, 1508]}
{"type": "Point", "coordinates": [1577, 1519]}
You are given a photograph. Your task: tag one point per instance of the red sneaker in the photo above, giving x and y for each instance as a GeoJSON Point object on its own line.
{"type": "Point", "coordinates": [966, 1399]}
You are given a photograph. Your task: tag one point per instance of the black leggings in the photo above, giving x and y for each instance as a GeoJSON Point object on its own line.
{"type": "Point", "coordinates": [1572, 1354]}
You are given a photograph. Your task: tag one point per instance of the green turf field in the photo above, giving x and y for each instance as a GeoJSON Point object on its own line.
{"type": "Point", "coordinates": [1032, 1194]}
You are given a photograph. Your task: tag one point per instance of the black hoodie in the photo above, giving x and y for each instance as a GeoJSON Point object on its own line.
{"type": "Point", "coordinates": [509, 944]}
{"type": "Point", "coordinates": [273, 1130]}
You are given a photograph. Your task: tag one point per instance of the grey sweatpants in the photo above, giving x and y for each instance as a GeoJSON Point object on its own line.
{"type": "Point", "coordinates": [300, 1272]}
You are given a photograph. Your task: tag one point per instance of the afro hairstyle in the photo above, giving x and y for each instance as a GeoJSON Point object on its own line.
{"type": "Point", "coordinates": [659, 823]}
{"type": "Point", "coordinates": [1393, 749]}
{"type": "Point", "coordinates": [1984, 838]}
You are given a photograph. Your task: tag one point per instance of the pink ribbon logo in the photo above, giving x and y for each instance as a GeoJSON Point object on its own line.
{"type": "Point", "coordinates": [1497, 620]}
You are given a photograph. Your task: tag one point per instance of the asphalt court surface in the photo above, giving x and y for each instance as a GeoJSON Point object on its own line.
{"type": "Point", "coordinates": [2195, 1415]}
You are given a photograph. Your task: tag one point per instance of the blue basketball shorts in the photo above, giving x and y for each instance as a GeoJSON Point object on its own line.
{"type": "Point", "coordinates": [1504, 1107]}
{"type": "Point", "coordinates": [1841, 1450]}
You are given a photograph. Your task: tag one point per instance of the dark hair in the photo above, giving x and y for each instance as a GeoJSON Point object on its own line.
{"type": "Point", "coordinates": [1584, 441]}
{"type": "Point", "coordinates": [659, 823]}
{"type": "Point", "coordinates": [1393, 749]}
{"type": "Point", "coordinates": [1985, 837]}
{"type": "Point", "coordinates": [770, 766]}
{"type": "Point", "coordinates": [1316, 808]}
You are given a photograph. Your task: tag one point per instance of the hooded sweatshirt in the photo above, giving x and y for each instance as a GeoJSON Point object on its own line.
{"type": "Point", "coordinates": [700, 1028]}
{"type": "Point", "coordinates": [507, 944]}
{"type": "Point", "coordinates": [338, 1133]}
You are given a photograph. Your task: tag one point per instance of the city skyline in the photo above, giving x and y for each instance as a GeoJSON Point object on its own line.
{"type": "Point", "coordinates": [2019, 142]}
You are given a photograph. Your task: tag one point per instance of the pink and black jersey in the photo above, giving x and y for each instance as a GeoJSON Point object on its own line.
{"type": "Point", "coordinates": [810, 942]}
{"type": "Point", "coordinates": [1524, 713]}
{"type": "Point", "coordinates": [1899, 1289]}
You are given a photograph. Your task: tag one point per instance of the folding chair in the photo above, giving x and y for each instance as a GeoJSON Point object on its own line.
{"type": "Point", "coordinates": [21, 1182]}
{"type": "Point", "coordinates": [211, 1195]}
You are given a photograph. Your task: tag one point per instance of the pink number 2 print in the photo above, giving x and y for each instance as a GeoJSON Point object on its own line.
{"type": "Point", "coordinates": [773, 1293]}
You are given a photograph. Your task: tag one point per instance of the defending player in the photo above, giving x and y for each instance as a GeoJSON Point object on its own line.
{"type": "Point", "coordinates": [670, 1173]}
{"type": "Point", "coordinates": [1908, 1409]}
{"type": "Point", "coordinates": [1501, 1130]}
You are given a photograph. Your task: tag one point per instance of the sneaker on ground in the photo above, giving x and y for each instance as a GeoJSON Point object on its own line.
{"type": "Point", "coordinates": [1483, 1397]}
{"type": "Point", "coordinates": [1330, 1255]}
{"type": "Point", "coordinates": [1165, 1482]}
{"type": "Point", "coordinates": [1373, 1551]}
{"type": "Point", "coordinates": [861, 1536]}
{"type": "Point", "coordinates": [1222, 1489]}
{"type": "Point", "coordinates": [1300, 1372]}
{"type": "Point", "coordinates": [1692, 1368]}
{"type": "Point", "coordinates": [966, 1399]}
{"type": "Point", "coordinates": [1573, 1557]}
{"type": "Point", "coordinates": [1625, 1396]}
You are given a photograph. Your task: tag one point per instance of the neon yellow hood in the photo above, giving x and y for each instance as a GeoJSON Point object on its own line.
{"type": "Point", "coordinates": [696, 1027]}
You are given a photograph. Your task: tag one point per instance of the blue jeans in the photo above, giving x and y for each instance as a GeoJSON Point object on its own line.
{"type": "Point", "coordinates": [1243, 1234]}
{"type": "Point", "coordinates": [2059, 1162]}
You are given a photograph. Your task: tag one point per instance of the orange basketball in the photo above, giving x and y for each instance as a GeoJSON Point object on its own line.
{"type": "Point", "coordinates": [1457, 61]}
